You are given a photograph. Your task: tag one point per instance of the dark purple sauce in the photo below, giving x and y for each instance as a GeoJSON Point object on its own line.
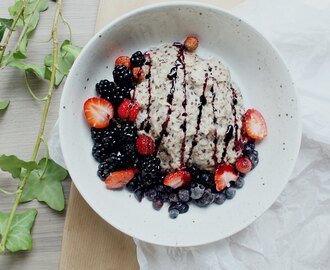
{"type": "Point", "coordinates": [200, 111]}
{"type": "Point", "coordinates": [146, 123]}
{"type": "Point", "coordinates": [215, 134]}
{"type": "Point", "coordinates": [171, 76]}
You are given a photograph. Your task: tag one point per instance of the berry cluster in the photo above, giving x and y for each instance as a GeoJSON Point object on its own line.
{"type": "Point", "coordinates": [127, 158]}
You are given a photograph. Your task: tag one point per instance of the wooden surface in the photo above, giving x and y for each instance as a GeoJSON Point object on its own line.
{"type": "Point", "coordinates": [19, 126]}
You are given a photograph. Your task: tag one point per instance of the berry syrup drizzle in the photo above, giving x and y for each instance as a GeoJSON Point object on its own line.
{"type": "Point", "coordinates": [171, 76]}
{"type": "Point", "coordinates": [146, 123]}
{"type": "Point", "coordinates": [215, 134]}
{"type": "Point", "coordinates": [232, 130]}
{"type": "Point", "coordinates": [202, 99]}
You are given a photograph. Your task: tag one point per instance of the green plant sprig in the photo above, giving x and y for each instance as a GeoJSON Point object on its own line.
{"type": "Point", "coordinates": [38, 180]}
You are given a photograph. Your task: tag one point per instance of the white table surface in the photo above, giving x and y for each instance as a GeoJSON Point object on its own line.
{"type": "Point", "coordinates": [19, 126]}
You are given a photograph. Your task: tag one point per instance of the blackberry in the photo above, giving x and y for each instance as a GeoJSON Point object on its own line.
{"type": "Point", "coordinates": [104, 170]}
{"type": "Point", "coordinates": [105, 88]}
{"type": "Point", "coordinates": [122, 76]}
{"type": "Point", "coordinates": [97, 134]}
{"type": "Point", "coordinates": [117, 160]}
{"type": "Point", "coordinates": [129, 151]}
{"type": "Point", "coordinates": [111, 137]}
{"type": "Point", "coordinates": [129, 132]}
{"type": "Point", "coordinates": [137, 59]}
{"type": "Point", "coordinates": [100, 152]}
{"type": "Point", "coordinates": [150, 170]}
{"type": "Point", "coordinates": [118, 94]}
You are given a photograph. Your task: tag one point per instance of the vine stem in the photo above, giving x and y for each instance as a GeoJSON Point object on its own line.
{"type": "Point", "coordinates": [11, 30]}
{"type": "Point", "coordinates": [24, 30]}
{"type": "Point", "coordinates": [41, 128]}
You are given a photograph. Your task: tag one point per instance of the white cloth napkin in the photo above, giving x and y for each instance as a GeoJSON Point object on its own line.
{"type": "Point", "coordinates": [294, 234]}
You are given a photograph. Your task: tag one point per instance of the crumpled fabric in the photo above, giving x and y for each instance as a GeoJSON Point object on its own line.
{"type": "Point", "coordinates": [294, 234]}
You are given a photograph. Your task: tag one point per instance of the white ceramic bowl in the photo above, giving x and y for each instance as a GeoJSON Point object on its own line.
{"type": "Point", "coordinates": [256, 67]}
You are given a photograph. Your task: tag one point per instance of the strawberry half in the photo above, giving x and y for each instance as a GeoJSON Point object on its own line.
{"type": "Point", "coordinates": [177, 179]}
{"type": "Point", "coordinates": [98, 112]}
{"type": "Point", "coordinates": [223, 175]}
{"type": "Point", "coordinates": [128, 110]}
{"type": "Point", "coordinates": [243, 165]}
{"type": "Point", "coordinates": [138, 74]}
{"type": "Point", "coordinates": [123, 61]}
{"type": "Point", "coordinates": [255, 125]}
{"type": "Point", "coordinates": [120, 178]}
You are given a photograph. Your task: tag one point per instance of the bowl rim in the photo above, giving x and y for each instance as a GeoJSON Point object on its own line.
{"type": "Point", "coordinates": [151, 7]}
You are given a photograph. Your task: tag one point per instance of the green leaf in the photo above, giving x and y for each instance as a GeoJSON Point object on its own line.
{"type": "Point", "coordinates": [45, 185]}
{"type": "Point", "coordinates": [14, 165]}
{"type": "Point", "coordinates": [19, 236]}
{"type": "Point", "coordinates": [4, 104]}
{"type": "Point", "coordinates": [31, 16]}
{"type": "Point", "coordinates": [6, 22]}
{"type": "Point", "coordinates": [40, 71]}
{"type": "Point", "coordinates": [2, 32]}
{"type": "Point", "coordinates": [68, 54]}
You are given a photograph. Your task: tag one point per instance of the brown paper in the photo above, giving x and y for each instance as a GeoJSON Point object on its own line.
{"type": "Point", "coordinates": [88, 241]}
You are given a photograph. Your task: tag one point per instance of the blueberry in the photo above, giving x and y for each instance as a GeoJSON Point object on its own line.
{"type": "Point", "coordinates": [151, 194]}
{"type": "Point", "coordinates": [157, 203]}
{"type": "Point", "coordinates": [138, 193]}
{"type": "Point", "coordinates": [197, 191]}
{"type": "Point", "coordinates": [206, 178]}
{"type": "Point", "coordinates": [193, 170]}
{"type": "Point", "coordinates": [207, 198]}
{"type": "Point", "coordinates": [220, 198]}
{"type": "Point", "coordinates": [230, 193]}
{"type": "Point", "coordinates": [163, 196]}
{"type": "Point", "coordinates": [184, 195]}
{"type": "Point", "coordinates": [254, 158]}
{"type": "Point", "coordinates": [160, 188]}
{"type": "Point", "coordinates": [173, 213]}
{"type": "Point", "coordinates": [173, 197]}
{"type": "Point", "coordinates": [180, 206]}
{"type": "Point", "coordinates": [239, 183]}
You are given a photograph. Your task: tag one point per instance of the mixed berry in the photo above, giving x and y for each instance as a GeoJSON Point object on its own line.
{"type": "Point", "coordinates": [128, 158]}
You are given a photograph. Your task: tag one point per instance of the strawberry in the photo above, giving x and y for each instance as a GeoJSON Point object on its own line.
{"type": "Point", "coordinates": [191, 43]}
{"type": "Point", "coordinates": [177, 179]}
{"type": "Point", "coordinates": [123, 61]}
{"type": "Point", "coordinates": [243, 165]}
{"type": "Point", "coordinates": [138, 74]}
{"type": "Point", "coordinates": [128, 110]}
{"type": "Point", "coordinates": [145, 145]}
{"type": "Point", "coordinates": [98, 112]}
{"type": "Point", "coordinates": [119, 179]}
{"type": "Point", "coordinates": [255, 125]}
{"type": "Point", "coordinates": [223, 175]}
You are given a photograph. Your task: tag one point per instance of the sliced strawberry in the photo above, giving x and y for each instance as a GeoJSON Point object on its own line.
{"type": "Point", "coordinates": [98, 112]}
{"type": "Point", "coordinates": [243, 165]}
{"type": "Point", "coordinates": [223, 175]}
{"type": "Point", "coordinates": [177, 179]}
{"type": "Point", "coordinates": [128, 110]}
{"type": "Point", "coordinates": [123, 61]}
{"type": "Point", "coordinates": [119, 179]}
{"type": "Point", "coordinates": [255, 125]}
{"type": "Point", "coordinates": [191, 43]}
{"type": "Point", "coordinates": [138, 74]}
{"type": "Point", "coordinates": [145, 145]}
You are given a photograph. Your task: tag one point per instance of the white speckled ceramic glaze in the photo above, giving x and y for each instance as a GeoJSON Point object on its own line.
{"type": "Point", "coordinates": [266, 85]}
